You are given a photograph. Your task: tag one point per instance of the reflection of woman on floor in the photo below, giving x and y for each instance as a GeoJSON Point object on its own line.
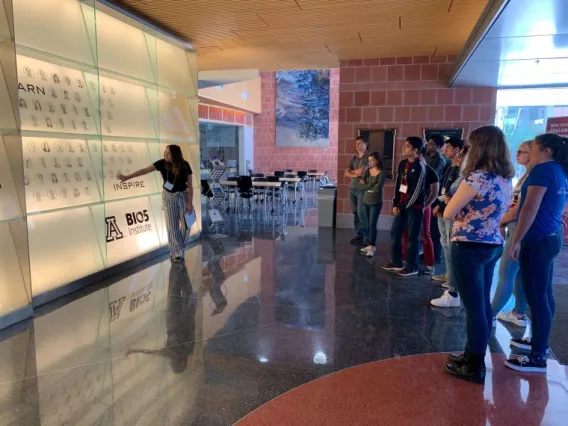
{"type": "Point", "coordinates": [215, 291]}
{"type": "Point", "coordinates": [180, 321]}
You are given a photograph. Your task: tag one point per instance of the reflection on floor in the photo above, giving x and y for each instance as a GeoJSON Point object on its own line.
{"type": "Point", "coordinates": [247, 318]}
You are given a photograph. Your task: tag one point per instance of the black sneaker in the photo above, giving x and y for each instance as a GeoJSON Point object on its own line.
{"type": "Point", "coordinates": [407, 272]}
{"type": "Point", "coordinates": [524, 343]}
{"type": "Point", "coordinates": [357, 240]}
{"type": "Point", "coordinates": [472, 372]}
{"type": "Point", "coordinates": [526, 364]}
{"type": "Point", "coordinates": [392, 267]}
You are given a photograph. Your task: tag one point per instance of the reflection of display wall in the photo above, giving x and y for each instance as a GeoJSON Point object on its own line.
{"type": "Point", "coordinates": [86, 93]}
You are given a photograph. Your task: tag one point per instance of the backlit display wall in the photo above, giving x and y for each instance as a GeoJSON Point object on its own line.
{"type": "Point", "coordinates": [85, 94]}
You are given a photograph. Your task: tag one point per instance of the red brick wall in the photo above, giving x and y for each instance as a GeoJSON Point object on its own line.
{"type": "Point", "coordinates": [406, 93]}
{"type": "Point", "coordinates": [268, 157]}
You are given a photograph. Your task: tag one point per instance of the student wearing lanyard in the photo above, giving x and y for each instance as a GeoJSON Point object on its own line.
{"type": "Point", "coordinates": [408, 205]}
{"type": "Point", "coordinates": [177, 197]}
{"type": "Point", "coordinates": [537, 242]}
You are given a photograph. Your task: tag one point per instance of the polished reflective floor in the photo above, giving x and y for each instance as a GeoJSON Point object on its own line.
{"type": "Point", "coordinates": [241, 331]}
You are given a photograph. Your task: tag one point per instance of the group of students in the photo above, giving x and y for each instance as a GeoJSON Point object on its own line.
{"type": "Point", "coordinates": [481, 219]}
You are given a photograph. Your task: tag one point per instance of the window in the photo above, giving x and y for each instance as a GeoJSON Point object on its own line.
{"type": "Point", "coordinates": [522, 114]}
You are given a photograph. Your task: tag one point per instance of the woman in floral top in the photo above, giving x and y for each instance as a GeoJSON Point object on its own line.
{"type": "Point", "coordinates": [477, 207]}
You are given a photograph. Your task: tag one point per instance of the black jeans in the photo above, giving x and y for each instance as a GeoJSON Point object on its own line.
{"type": "Point", "coordinates": [372, 213]}
{"type": "Point", "coordinates": [410, 219]}
{"type": "Point", "coordinates": [536, 261]}
{"type": "Point", "coordinates": [473, 265]}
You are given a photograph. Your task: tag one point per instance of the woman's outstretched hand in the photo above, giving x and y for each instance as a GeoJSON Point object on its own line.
{"type": "Point", "coordinates": [121, 177]}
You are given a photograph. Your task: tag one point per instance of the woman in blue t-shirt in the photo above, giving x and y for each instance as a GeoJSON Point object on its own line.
{"type": "Point", "coordinates": [537, 242]}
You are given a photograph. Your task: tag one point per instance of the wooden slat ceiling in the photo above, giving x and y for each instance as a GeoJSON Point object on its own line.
{"type": "Point", "coordinates": [296, 34]}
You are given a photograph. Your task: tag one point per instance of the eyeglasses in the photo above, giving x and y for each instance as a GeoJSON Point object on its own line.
{"type": "Point", "coordinates": [519, 152]}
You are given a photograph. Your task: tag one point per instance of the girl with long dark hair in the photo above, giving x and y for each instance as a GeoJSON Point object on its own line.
{"type": "Point", "coordinates": [538, 241]}
{"type": "Point", "coordinates": [477, 208]}
{"type": "Point", "coordinates": [372, 183]}
{"type": "Point", "coordinates": [177, 196]}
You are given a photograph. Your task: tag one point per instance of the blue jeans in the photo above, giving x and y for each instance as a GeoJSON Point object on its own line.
{"type": "Point", "coordinates": [356, 201]}
{"type": "Point", "coordinates": [445, 227]}
{"type": "Point", "coordinates": [537, 264]}
{"type": "Point", "coordinates": [509, 279]}
{"type": "Point", "coordinates": [372, 213]}
{"type": "Point", "coordinates": [473, 265]}
{"type": "Point", "coordinates": [410, 219]}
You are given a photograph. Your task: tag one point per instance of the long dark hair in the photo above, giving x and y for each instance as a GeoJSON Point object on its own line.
{"type": "Point", "coordinates": [558, 146]}
{"type": "Point", "coordinates": [176, 166]}
{"type": "Point", "coordinates": [488, 151]}
{"type": "Point", "coordinates": [378, 159]}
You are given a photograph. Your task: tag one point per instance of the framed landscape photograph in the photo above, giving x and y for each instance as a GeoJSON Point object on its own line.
{"type": "Point", "coordinates": [302, 109]}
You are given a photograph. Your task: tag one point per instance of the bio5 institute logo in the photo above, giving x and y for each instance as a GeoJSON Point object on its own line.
{"type": "Point", "coordinates": [136, 222]}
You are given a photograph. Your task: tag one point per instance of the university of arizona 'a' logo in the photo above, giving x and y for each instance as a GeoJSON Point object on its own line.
{"type": "Point", "coordinates": [115, 308]}
{"type": "Point", "coordinates": [113, 232]}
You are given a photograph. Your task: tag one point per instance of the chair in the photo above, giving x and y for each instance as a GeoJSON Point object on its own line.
{"type": "Point", "coordinates": [303, 176]}
{"type": "Point", "coordinates": [289, 170]}
{"type": "Point", "coordinates": [259, 191]}
{"type": "Point", "coordinates": [313, 178]}
{"type": "Point", "coordinates": [244, 184]}
{"type": "Point", "coordinates": [279, 174]}
{"type": "Point", "coordinates": [257, 175]}
{"type": "Point", "coordinates": [277, 192]}
{"type": "Point", "coordinates": [231, 190]}
{"type": "Point", "coordinates": [274, 178]}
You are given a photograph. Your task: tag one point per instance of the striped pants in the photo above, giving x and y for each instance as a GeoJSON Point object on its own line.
{"type": "Point", "coordinates": [175, 206]}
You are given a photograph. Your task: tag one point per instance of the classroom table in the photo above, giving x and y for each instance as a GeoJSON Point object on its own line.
{"type": "Point", "coordinates": [295, 181]}
{"type": "Point", "coordinates": [256, 184]}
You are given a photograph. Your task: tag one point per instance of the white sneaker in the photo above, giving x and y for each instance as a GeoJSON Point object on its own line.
{"type": "Point", "coordinates": [513, 319]}
{"type": "Point", "coordinates": [366, 249]}
{"type": "Point", "coordinates": [446, 301]}
{"type": "Point", "coordinates": [445, 284]}
{"type": "Point", "coordinates": [443, 277]}
{"type": "Point", "coordinates": [371, 252]}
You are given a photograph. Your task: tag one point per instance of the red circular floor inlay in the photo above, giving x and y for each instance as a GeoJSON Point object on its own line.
{"type": "Point", "coordinates": [415, 391]}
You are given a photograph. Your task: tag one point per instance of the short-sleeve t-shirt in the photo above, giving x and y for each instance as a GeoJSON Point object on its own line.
{"type": "Point", "coordinates": [431, 177]}
{"type": "Point", "coordinates": [478, 221]}
{"type": "Point", "coordinates": [356, 163]}
{"type": "Point", "coordinates": [548, 220]}
{"type": "Point", "coordinates": [180, 181]}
